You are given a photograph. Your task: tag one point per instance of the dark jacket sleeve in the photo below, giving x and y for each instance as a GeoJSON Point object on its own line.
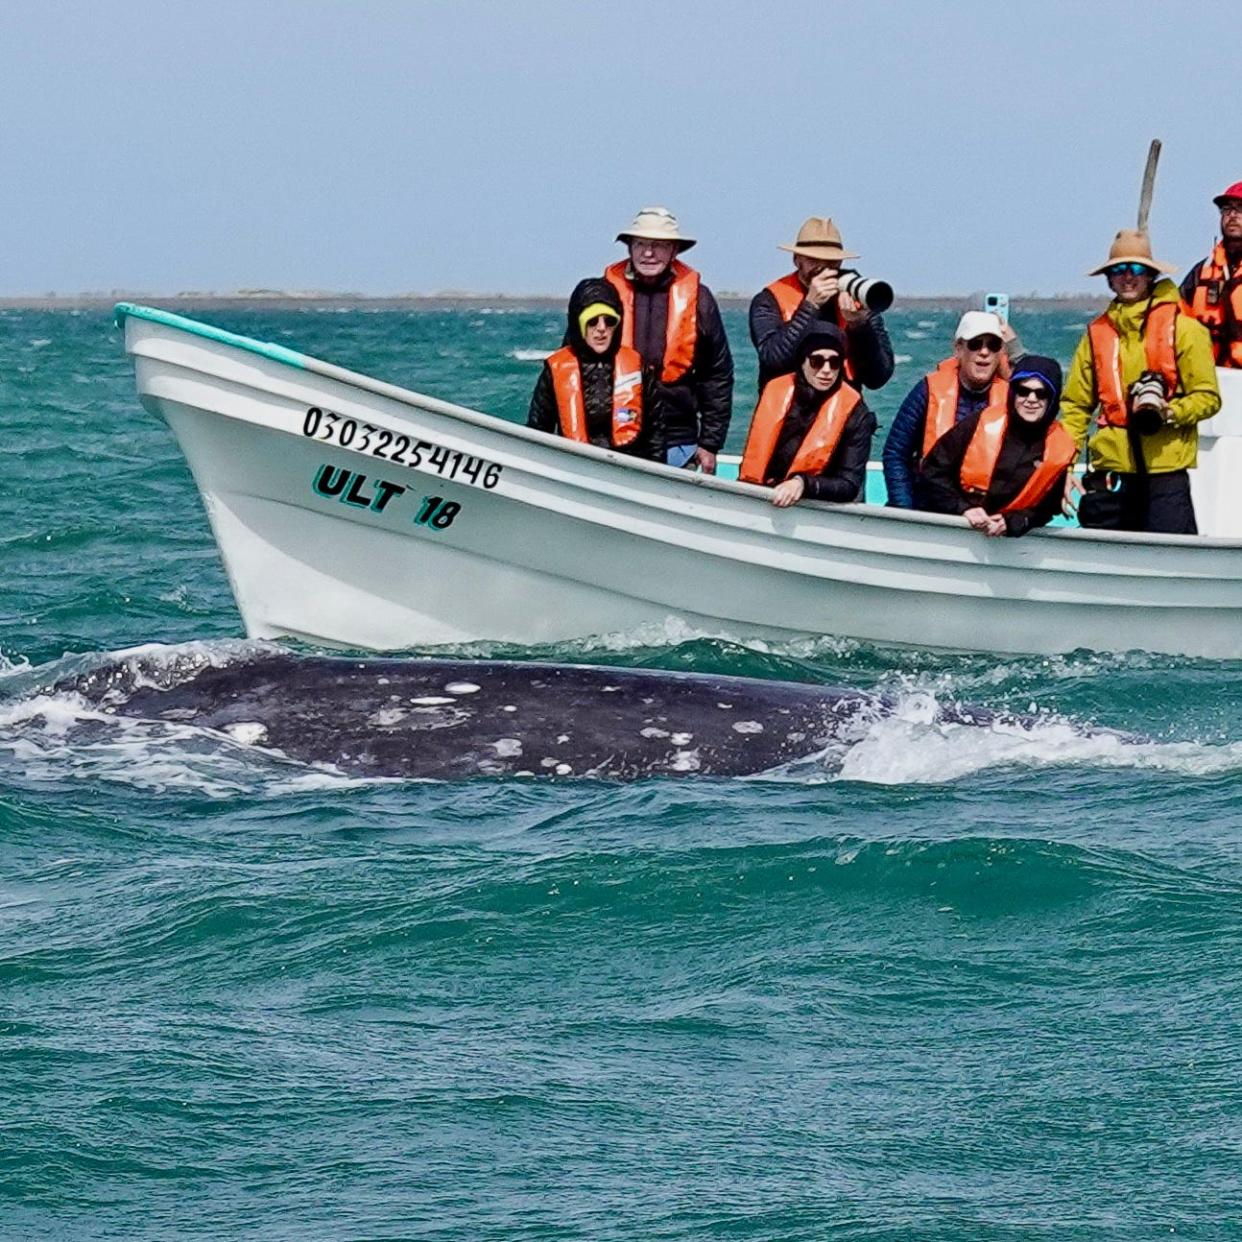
{"type": "Point", "coordinates": [871, 352]}
{"type": "Point", "coordinates": [713, 371]}
{"type": "Point", "coordinates": [1021, 520]}
{"type": "Point", "coordinates": [775, 340]}
{"type": "Point", "coordinates": [543, 413]}
{"type": "Point", "coordinates": [845, 477]}
{"type": "Point", "coordinates": [939, 488]}
{"type": "Point", "coordinates": [1187, 289]}
{"type": "Point", "coordinates": [903, 446]}
{"type": "Point", "coordinates": [651, 441]}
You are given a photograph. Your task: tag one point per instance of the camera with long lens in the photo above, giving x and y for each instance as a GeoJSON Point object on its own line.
{"type": "Point", "coordinates": [1147, 397]}
{"type": "Point", "coordinates": [875, 295]}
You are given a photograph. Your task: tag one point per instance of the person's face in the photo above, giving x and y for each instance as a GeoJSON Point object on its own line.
{"type": "Point", "coordinates": [650, 258]}
{"type": "Point", "coordinates": [808, 268]}
{"type": "Point", "coordinates": [1030, 399]}
{"type": "Point", "coordinates": [820, 368]}
{"type": "Point", "coordinates": [1130, 282]}
{"type": "Point", "coordinates": [978, 359]}
{"type": "Point", "coordinates": [599, 333]}
{"type": "Point", "coordinates": [1231, 220]}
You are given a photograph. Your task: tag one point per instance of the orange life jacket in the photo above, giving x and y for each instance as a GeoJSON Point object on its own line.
{"type": "Point", "coordinates": [788, 292]}
{"type": "Point", "coordinates": [627, 395]}
{"type": "Point", "coordinates": [943, 386]}
{"type": "Point", "coordinates": [817, 446]}
{"type": "Point", "coordinates": [1159, 340]}
{"type": "Point", "coordinates": [984, 448]}
{"type": "Point", "coordinates": [682, 329]}
{"type": "Point", "coordinates": [1214, 290]}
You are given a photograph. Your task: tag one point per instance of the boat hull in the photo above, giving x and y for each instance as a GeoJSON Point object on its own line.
{"type": "Point", "coordinates": [546, 541]}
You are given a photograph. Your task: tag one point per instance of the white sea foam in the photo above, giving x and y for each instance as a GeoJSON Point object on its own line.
{"type": "Point", "coordinates": [10, 668]}
{"type": "Point", "coordinates": [911, 747]}
{"type": "Point", "coordinates": [673, 631]}
{"type": "Point", "coordinates": [898, 359]}
{"type": "Point", "coordinates": [529, 355]}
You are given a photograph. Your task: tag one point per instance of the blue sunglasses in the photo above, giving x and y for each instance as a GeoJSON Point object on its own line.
{"type": "Point", "coordinates": [1128, 269]}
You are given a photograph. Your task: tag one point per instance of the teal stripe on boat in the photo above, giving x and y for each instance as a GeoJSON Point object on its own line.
{"type": "Point", "coordinates": [278, 353]}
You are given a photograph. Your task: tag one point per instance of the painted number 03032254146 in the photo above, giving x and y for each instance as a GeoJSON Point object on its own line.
{"type": "Point", "coordinates": [326, 425]}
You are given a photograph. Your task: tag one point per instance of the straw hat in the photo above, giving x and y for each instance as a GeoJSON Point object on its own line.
{"type": "Point", "coordinates": [819, 238]}
{"type": "Point", "coordinates": [656, 224]}
{"type": "Point", "coordinates": [1131, 246]}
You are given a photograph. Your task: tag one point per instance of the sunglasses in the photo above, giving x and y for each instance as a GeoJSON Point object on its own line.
{"type": "Point", "coordinates": [976, 343]}
{"type": "Point", "coordinates": [1128, 269]}
{"type": "Point", "coordinates": [606, 320]}
{"type": "Point", "coordinates": [820, 361]}
{"type": "Point", "coordinates": [1027, 392]}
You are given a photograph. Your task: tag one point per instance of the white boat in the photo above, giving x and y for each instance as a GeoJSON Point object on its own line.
{"type": "Point", "coordinates": [355, 513]}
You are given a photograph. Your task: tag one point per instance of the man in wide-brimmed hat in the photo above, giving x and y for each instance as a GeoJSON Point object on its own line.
{"type": "Point", "coordinates": [786, 310]}
{"type": "Point", "coordinates": [1213, 287]}
{"type": "Point", "coordinates": [672, 320]}
{"type": "Point", "coordinates": [1144, 369]}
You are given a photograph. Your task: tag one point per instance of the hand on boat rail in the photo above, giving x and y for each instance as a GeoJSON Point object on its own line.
{"type": "Point", "coordinates": [1069, 502]}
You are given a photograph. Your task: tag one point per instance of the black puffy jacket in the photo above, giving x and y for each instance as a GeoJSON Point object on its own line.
{"type": "Point", "coordinates": [697, 408]}
{"type": "Point", "coordinates": [597, 379]}
{"type": "Point", "coordinates": [777, 342]}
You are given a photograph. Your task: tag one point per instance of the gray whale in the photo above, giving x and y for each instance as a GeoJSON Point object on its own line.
{"type": "Point", "coordinates": [449, 719]}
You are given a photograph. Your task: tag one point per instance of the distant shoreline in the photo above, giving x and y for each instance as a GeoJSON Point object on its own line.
{"type": "Point", "coordinates": [275, 299]}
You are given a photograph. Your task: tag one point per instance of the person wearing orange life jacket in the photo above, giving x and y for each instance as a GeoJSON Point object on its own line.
{"type": "Point", "coordinates": [783, 312]}
{"type": "Point", "coordinates": [984, 347]}
{"type": "Point", "coordinates": [1212, 290]}
{"type": "Point", "coordinates": [593, 389]}
{"type": "Point", "coordinates": [1146, 436]}
{"type": "Point", "coordinates": [672, 320]}
{"type": "Point", "coordinates": [1003, 469]}
{"type": "Point", "coordinates": [811, 431]}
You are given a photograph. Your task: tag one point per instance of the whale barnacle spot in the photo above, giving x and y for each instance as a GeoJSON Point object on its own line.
{"type": "Point", "coordinates": [462, 687]}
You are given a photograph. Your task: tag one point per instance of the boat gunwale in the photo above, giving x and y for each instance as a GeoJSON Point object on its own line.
{"type": "Point", "coordinates": [495, 424]}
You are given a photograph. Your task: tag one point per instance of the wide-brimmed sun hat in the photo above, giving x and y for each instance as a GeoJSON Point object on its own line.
{"type": "Point", "coordinates": [1131, 246]}
{"type": "Point", "coordinates": [819, 238]}
{"type": "Point", "coordinates": [656, 224]}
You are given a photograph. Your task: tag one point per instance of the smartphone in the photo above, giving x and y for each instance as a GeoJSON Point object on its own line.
{"type": "Point", "coordinates": [998, 304]}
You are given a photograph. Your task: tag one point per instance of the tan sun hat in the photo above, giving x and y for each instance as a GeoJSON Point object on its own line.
{"type": "Point", "coordinates": [819, 238]}
{"type": "Point", "coordinates": [1131, 246]}
{"type": "Point", "coordinates": [656, 224]}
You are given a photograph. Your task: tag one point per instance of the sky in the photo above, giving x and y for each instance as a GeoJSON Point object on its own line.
{"type": "Point", "coordinates": [497, 146]}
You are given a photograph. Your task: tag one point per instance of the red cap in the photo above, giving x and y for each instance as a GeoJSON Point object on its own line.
{"type": "Point", "coordinates": [1234, 191]}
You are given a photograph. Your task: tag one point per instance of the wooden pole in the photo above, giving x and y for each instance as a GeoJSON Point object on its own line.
{"type": "Point", "coordinates": [1149, 184]}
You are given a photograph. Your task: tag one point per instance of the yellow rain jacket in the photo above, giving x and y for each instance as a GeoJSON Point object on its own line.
{"type": "Point", "coordinates": [1176, 445]}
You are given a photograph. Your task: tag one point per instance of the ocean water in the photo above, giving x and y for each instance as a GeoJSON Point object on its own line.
{"type": "Point", "coordinates": [954, 983]}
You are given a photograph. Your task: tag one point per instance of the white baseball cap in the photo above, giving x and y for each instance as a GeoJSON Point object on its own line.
{"type": "Point", "coordinates": [978, 323]}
